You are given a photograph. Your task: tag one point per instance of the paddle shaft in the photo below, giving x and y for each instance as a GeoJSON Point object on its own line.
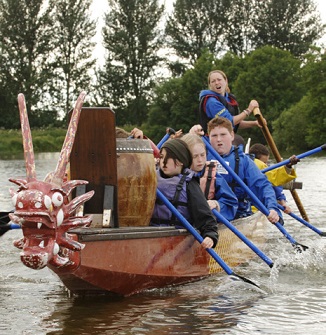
{"type": "Point", "coordinates": [199, 238]}
{"type": "Point", "coordinates": [300, 156]}
{"type": "Point", "coordinates": [307, 224]}
{"type": "Point", "coordinates": [255, 199]}
{"type": "Point", "coordinates": [170, 131]}
{"type": "Point", "coordinates": [242, 237]}
{"type": "Point", "coordinates": [278, 158]}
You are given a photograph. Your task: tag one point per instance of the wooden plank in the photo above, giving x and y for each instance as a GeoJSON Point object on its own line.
{"type": "Point", "coordinates": [94, 158]}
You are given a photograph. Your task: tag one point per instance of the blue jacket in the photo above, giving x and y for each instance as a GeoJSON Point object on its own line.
{"type": "Point", "coordinates": [253, 178]}
{"type": "Point", "coordinates": [215, 107]}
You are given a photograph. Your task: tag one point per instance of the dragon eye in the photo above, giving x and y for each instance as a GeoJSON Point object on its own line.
{"type": "Point", "coordinates": [57, 199]}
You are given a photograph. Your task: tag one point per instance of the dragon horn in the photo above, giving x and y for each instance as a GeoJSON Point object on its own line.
{"type": "Point", "coordinates": [27, 139]}
{"type": "Point", "coordinates": [64, 157]}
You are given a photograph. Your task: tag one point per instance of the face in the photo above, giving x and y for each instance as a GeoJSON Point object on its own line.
{"type": "Point", "coordinates": [198, 157]}
{"type": "Point", "coordinates": [221, 140]}
{"type": "Point", "coordinates": [264, 158]}
{"type": "Point", "coordinates": [217, 83]}
{"type": "Point", "coordinates": [170, 168]}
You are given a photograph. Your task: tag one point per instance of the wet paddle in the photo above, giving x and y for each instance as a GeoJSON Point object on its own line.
{"type": "Point", "coordinates": [277, 156]}
{"type": "Point", "coordinates": [307, 224]}
{"type": "Point", "coordinates": [300, 156]}
{"type": "Point", "coordinates": [5, 224]}
{"type": "Point", "coordinates": [242, 237]}
{"type": "Point", "coordinates": [4, 217]}
{"type": "Point", "coordinates": [257, 202]}
{"type": "Point", "coordinates": [199, 238]}
{"type": "Point", "coordinates": [8, 226]}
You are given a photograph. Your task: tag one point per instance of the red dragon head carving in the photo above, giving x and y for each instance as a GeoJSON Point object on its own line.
{"type": "Point", "coordinates": [44, 208]}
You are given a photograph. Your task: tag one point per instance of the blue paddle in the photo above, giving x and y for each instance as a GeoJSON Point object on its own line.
{"type": "Point", "coordinates": [170, 132]}
{"type": "Point", "coordinates": [303, 155]}
{"type": "Point", "coordinates": [242, 237]}
{"type": "Point", "coordinates": [199, 238]}
{"type": "Point", "coordinates": [258, 203]}
{"type": "Point", "coordinates": [307, 224]}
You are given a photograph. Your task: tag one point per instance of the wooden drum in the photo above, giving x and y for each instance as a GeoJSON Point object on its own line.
{"type": "Point", "coordinates": [136, 182]}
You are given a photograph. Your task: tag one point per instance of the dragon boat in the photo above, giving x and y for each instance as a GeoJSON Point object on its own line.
{"type": "Point", "coordinates": [88, 221]}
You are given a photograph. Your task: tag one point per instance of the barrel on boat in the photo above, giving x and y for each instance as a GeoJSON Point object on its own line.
{"type": "Point", "coordinates": [136, 182]}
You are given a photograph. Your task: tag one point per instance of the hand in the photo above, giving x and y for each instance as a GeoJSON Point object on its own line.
{"type": "Point", "coordinates": [293, 160]}
{"type": "Point", "coordinates": [258, 124]}
{"type": "Point", "coordinates": [137, 133]}
{"type": "Point", "coordinates": [207, 243]}
{"type": "Point", "coordinates": [197, 129]}
{"type": "Point", "coordinates": [213, 204]}
{"type": "Point", "coordinates": [273, 216]}
{"type": "Point", "coordinates": [177, 134]}
{"type": "Point", "coordinates": [252, 105]}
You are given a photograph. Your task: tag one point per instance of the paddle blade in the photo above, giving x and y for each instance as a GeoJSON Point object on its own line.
{"type": "Point", "coordinates": [246, 280]}
{"type": "Point", "coordinates": [299, 247]}
{"type": "Point", "coordinates": [9, 226]}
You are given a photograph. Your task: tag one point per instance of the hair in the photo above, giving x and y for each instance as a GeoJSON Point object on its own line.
{"type": "Point", "coordinates": [192, 140]}
{"type": "Point", "coordinates": [121, 133]}
{"type": "Point", "coordinates": [238, 140]}
{"type": "Point", "coordinates": [227, 89]}
{"type": "Point", "coordinates": [177, 149]}
{"type": "Point", "coordinates": [219, 122]}
{"type": "Point", "coordinates": [259, 150]}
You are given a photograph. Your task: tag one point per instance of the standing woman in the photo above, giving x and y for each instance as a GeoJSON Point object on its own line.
{"type": "Point", "coordinates": [218, 101]}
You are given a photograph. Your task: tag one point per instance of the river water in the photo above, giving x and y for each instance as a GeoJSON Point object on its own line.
{"type": "Point", "coordinates": [292, 299]}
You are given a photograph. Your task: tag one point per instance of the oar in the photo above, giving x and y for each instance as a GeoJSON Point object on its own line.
{"type": "Point", "coordinates": [257, 202]}
{"type": "Point", "coordinates": [4, 217]}
{"type": "Point", "coordinates": [278, 158]}
{"type": "Point", "coordinates": [242, 237]}
{"type": "Point", "coordinates": [307, 224]}
{"type": "Point", "coordinates": [8, 226]}
{"type": "Point", "coordinates": [300, 156]}
{"type": "Point", "coordinates": [170, 131]}
{"type": "Point", "coordinates": [199, 238]}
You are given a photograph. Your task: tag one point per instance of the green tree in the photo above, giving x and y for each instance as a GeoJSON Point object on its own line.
{"type": "Point", "coordinates": [272, 77]}
{"type": "Point", "coordinates": [73, 55]}
{"type": "Point", "coordinates": [26, 46]}
{"type": "Point", "coordinates": [132, 39]}
{"type": "Point", "coordinates": [292, 25]}
{"type": "Point", "coordinates": [239, 29]}
{"type": "Point", "coordinates": [195, 26]}
{"type": "Point", "coordinates": [302, 126]}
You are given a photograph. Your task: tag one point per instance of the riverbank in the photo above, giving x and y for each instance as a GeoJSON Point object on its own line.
{"type": "Point", "coordinates": [44, 140]}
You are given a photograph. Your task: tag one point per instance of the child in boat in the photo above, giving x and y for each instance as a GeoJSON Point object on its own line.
{"type": "Point", "coordinates": [278, 176]}
{"type": "Point", "coordinates": [221, 135]}
{"type": "Point", "coordinates": [216, 190]}
{"type": "Point", "coordinates": [179, 185]}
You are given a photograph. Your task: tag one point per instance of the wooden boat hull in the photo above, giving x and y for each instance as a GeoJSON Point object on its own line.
{"type": "Point", "coordinates": [124, 261]}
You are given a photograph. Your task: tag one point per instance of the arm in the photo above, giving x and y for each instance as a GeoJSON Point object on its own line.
{"type": "Point", "coordinates": [262, 188]}
{"type": "Point", "coordinates": [200, 213]}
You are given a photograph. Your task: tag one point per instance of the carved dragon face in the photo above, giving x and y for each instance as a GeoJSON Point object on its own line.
{"type": "Point", "coordinates": [43, 208]}
{"type": "Point", "coordinates": [45, 214]}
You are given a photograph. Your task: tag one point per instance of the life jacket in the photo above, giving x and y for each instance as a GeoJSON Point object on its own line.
{"type": "Point", "coordinates": [175, 190]}
{"type": "Point", "coordinates": [232, 107]}
{"type": "Point", "coordinates": [233, 183]}
{"type": "Point", "coordinates": [207, 181]}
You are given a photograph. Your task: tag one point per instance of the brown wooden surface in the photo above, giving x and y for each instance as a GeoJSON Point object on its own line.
{"type": "Point", "coordinates": [278, 158]}
{"type": "Point", "coordinates": [93, 156]}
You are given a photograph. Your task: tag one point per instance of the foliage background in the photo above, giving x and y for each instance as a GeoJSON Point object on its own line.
{"type": "Point", "coordinates": [156, 62]}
